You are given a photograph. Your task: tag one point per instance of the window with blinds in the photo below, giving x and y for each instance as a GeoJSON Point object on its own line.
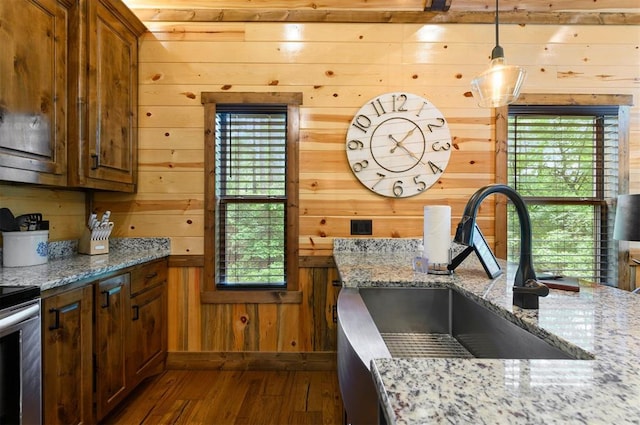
{"type": "Point", "coordinates": [564, 163]}
{"type": "Point", "coordinates": [251, 195]}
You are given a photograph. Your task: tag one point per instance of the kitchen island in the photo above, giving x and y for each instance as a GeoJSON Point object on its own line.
{"type": "Point", "coordinates": [599, 320]}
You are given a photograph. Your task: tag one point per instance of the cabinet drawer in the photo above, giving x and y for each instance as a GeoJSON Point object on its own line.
{"type": "Point", "coordinates": [148, 276]}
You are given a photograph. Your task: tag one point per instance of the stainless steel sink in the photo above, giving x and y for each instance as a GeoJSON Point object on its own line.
{"type": "Point", "coordinates": [444, 318]}
{"type": "Point", "coordinates": [421, 322]}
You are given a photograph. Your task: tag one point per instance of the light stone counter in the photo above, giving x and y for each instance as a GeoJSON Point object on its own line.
{"type": "Point", "coordinates": [65, 267]}
{"type": "Point", "coordinates": [600, 320]}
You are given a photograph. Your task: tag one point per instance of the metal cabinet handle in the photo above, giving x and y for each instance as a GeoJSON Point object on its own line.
{"type": "Point", "coordinates": [94, 161]}
{"type": "Point", "coordinates": [108, 293]}
{"type": "Point", "coordinates": [151, 275]}
{"type": "Point", "coordinates": [56, 320]}
{"type": "Point", "coordinates": [106, 299]}
{"type": "Point", "coordinates": [57, 311]}
{"type": "Point", "coordinates": [136, 312]}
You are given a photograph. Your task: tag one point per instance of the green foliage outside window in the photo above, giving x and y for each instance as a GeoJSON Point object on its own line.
{"type": "Point", "coordinates": [558, 164]}
{"type": "Point", "coordinates": [251, 194]}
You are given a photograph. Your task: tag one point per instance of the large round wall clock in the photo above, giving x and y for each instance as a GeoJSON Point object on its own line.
{"type": "Point", "coordinates": [398, 144]}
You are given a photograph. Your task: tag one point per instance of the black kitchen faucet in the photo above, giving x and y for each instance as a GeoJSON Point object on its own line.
{"type": "Point", "coordinates": [526, 289]}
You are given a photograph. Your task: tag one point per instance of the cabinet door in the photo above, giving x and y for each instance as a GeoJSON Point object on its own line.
{"type": "Point", "coordinates": [105, 156]}
{"type": "Point", "coordinates": [33, 92]}
{"type": "Point", "coordinates": [67, 361]}
{"type": "Point", "coordinates": [147, 333]}
{"type": "Point", "coordinates": [111, 307]}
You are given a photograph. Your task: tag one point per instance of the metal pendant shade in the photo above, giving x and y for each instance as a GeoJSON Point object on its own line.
{"type": "Point", "coordinates": [500, 84]}
{"type": "Point", "coordinates": [627, 224]}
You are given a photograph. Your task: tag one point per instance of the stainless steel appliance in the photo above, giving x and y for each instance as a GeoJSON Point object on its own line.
{"type": "Point", "coordinates": [20, 355]}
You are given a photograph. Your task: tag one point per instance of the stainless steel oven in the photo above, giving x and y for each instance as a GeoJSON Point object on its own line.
{"type": "Point", "coordinates": [20, 356]}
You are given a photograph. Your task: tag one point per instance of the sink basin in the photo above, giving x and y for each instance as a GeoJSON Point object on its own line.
{"type": "Point", "coordinates": [435, 322]}
{"type": "Point", "coordinates": [421, 322]}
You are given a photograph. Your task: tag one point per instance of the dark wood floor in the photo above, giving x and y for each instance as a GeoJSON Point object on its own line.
{"type": "Point", "coordinates": [234, 397]}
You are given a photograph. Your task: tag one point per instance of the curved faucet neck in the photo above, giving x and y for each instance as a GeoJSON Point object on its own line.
{"type": "Point", "coordinates": [465, 230]}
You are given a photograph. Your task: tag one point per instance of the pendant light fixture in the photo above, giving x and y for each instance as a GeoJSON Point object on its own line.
{"type": "Point", "coordinates": [500, 84]}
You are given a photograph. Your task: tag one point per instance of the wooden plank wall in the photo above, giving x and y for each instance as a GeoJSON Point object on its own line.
{"type": "Point", "coordinates": [338, 67]}
{"type": "Point", "coordinates": [65, 209]}
{"type": "Point", "coordinates": [306, 327]}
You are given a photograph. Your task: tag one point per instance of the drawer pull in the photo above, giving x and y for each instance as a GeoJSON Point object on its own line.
{"type": "Point", "coordinates": [151, 275]}
{"type": "Point", "coordinates": [136, 312]}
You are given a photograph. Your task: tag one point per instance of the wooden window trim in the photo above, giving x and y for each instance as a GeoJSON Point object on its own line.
{"type": "Point", "coordinates": [624, 102]}
{"type": "Point", "coordinates": [210, 293]}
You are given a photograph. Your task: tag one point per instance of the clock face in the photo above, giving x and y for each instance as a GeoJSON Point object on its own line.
{"type": "Point", "coordinates": [398, 144]}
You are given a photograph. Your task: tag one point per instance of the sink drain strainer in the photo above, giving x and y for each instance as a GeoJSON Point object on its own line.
{"type": "Point", "coordinates": [424, 345]}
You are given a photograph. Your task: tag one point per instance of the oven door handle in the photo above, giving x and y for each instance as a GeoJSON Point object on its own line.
{"type": "Point", "coordinates": [19, 316]}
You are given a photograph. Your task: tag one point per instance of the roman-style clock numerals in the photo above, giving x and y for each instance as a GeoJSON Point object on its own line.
{"type": "Point", "coordinates": [398, 144]}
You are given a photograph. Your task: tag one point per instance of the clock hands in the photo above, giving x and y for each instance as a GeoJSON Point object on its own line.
{"type": "Point", "coordinates": [399, 144]}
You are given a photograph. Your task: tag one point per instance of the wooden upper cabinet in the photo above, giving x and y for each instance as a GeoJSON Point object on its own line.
{"type": "Point", "coordinates": [33, 91]}
{"type": "Point", "coordinates": [69, 93]}
{"type": "Point", "coordinates": [104, 146]}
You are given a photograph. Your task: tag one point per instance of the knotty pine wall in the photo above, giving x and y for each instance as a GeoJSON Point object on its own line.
{"type": "Point", "coordinates": [65, 209]}
{"type": "Point", "coordinates": [338, 67]}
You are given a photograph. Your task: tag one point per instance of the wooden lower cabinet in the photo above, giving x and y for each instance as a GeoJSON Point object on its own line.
{"type": "Point", "coordinates": [101, 340]}
{"type": "Point", "coordinates": [147, 339]}
{"type": "Point", "coordinates": [67, 362]}
{"type": "Point", "coordinates": [111, 308]}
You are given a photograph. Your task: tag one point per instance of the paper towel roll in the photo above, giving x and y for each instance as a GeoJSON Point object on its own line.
{"type": "Point", "coordinates": [437, 233]}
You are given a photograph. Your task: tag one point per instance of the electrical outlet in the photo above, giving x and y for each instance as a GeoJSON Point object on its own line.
{"type": "Point", "coordinates": [361, 227]}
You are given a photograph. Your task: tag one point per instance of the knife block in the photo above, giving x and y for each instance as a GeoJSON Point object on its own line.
{"type": "Point", "coordinates": [89, 246]}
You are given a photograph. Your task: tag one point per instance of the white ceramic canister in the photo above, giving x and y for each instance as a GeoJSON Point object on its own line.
{"type": "Point", "coordinates": [25, 248]}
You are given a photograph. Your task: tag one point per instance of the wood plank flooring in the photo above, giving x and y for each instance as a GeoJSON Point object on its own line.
{"type": "Point", "coordinates": [234, 397]}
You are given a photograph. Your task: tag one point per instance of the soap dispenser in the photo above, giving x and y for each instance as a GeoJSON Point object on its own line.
{"type": "Point", "coordinates": [420, 263]}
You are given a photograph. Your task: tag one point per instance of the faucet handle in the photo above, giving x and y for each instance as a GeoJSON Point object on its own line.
{"type": "Point", "coordinates": [533, 287]}
{"type": "Point", "coordinates": [527, 296]}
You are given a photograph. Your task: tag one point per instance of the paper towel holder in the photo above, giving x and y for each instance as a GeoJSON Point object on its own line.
{"type": "Point", "coordinates": [484, 253]}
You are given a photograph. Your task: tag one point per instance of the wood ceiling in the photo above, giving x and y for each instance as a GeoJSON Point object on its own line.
{"type": "Point", "coordinates": [397, 5]}
{"type": "Point", "coordinates": [626, 12]}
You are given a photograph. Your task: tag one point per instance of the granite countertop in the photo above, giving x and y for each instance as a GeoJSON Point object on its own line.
{"type": "Point", "coordinates": [601, 320]}
{"type": "Point", "coordinates": [66, 266]}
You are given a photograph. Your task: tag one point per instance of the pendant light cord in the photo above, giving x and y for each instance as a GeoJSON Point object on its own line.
{"type": "Point", "coordinates": [497, 51]}
{"type": "Point", "coordinates": [497, 23]}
